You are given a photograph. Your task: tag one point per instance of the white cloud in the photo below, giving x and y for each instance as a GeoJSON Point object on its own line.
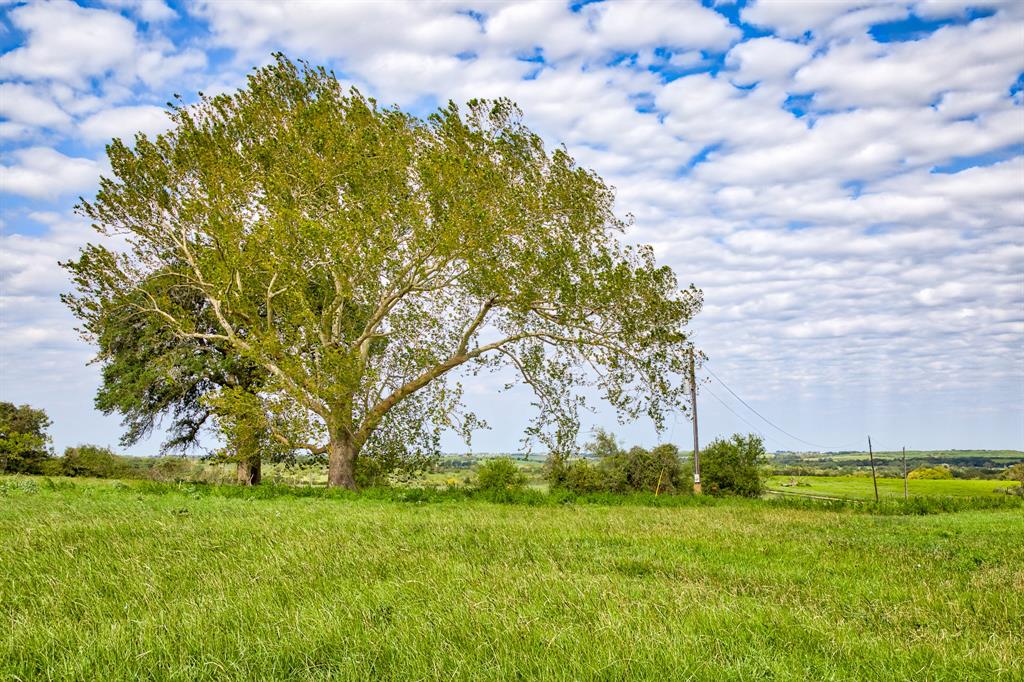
{"type": "Point", "coordinates": [15, 131]}
{"type": "Point", "coordinates": [793, 18]}
{"type": "Point", "coordinates": [625, 24]}
{"type": "Point", "coordinates": [67, 42]}
{"type": "Point", "coordinates": [762, 59]}
{"type": "Point", "coordinates": [42, 172]}
{"type": "Point", "coordinates": [124, 122]}
{"type": "Point", "coordinates": [147, 10]}
{"type": "Point", "coordinates": [941, 9]}
{"type": "Point", "coordinates": [710, 111]}
{"type": "Point", "coordinates": [984, 55]}
{"type": "Point", "coordinates": [860, 145]}
{"type": "Point", "coordinates": [157, 64]}
{"type": "Point", "coordinates": [548, 25]}
{"type": "Point", "coordinates": [30, 106]}
{"type": "Point", "coordinates": [74, 47]}
{"type": "Point", "coordinates": [340, 29]}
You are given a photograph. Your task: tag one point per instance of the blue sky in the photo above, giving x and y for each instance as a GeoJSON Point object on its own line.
{"type": "Point", "coordinates": [844, 179]}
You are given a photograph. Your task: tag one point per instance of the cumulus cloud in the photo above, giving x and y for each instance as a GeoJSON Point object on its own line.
{"type": "Point", "coordinates": [77, 46]}
{"type": "Point", "coordinates": [853, 209]}
{"type": "Point", "coordinates": [762, 59]}
{"type": "Point", "coordinates": [984, 55]}
{"type": "Point", "coordinates": [30, 106]}
{"type": "Point", "coordinates": [146, 10]}
{"type": "Point", "coordinates": [340, 29]}
{"type": "Point", "coordinates": [631, 25]}
{"type": "Point", "coordinates": [68, 43]}
{"type": "Point", "coordinates": [124, 122]}
{"type": "Point", "coordinates": [45, 173]}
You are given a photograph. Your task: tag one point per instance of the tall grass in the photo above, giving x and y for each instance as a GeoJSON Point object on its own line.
{"type": "Point", "coordinates": [922, 504]}
{"type": "Point", "coordinates": [150, 581]}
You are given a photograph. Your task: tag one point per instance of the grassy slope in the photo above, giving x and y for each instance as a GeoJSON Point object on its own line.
{"type": "Point", "coordinates": [860, 487]}
{"type": "Point", "coordinates": [104, 583]}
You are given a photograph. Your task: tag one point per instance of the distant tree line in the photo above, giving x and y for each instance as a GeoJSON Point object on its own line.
{"type": "Point", "coordinates": [972, 464]}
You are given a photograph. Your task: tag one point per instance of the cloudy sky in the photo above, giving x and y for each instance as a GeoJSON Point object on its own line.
{"type": "Point", "coordinates": [844, 179]}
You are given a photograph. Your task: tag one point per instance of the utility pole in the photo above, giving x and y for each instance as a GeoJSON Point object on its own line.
{"type": "Point", "coordinates": [906, 494]}
{"type": "Point", "coordinates": [696, 442]}
{"type": "Point", "coordinates": [871, 454]}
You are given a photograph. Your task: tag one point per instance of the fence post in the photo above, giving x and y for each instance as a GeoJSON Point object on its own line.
{"type": "Point", "coordinates": [874, 481]}
{"type": "Point", "coordinates": [906, 493]}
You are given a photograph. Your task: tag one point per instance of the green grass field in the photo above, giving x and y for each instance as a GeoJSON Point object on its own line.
{"type": "Point", "coordinates": [102, 580]}
{"type": "Point", "coordinates": [860, 487]}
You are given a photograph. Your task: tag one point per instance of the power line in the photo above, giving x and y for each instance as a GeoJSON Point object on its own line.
{"type": "Point", "coordinates": [737, 414]}
{"type": "Point", "coordinates": [675, 420]}
{"type": "Point", "coordinates": [766, 419]}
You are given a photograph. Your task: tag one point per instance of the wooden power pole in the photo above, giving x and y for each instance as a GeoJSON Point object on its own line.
{"type": "Point", "coordinates": [874, 481]}
{"type": "Point", "coordinates": [906, 493]}
{"type": "Point", "coordinates": [696, 442]}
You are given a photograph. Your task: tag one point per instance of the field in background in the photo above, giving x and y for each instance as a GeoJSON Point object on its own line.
{"type": "Point", "coordinates": [458, 470]}
{"type": "Point", "coordinates": [860, 487]}
{"type": "Point", "coordinates": [107, 580]}
{"type": "Point", "coordinates": [966, 463]}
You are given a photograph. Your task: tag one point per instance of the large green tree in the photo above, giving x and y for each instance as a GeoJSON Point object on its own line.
{"type": "Point", "coordinates": [358, 255]}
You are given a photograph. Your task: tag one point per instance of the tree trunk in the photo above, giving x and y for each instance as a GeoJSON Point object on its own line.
{"type": "Point", "coordinates": [250, 471]}
{"type": "Point", "coordinates": [341, 463]}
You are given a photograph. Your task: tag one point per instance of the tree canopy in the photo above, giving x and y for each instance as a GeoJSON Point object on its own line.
{"type": "Point", "coordinates": [357, 255]}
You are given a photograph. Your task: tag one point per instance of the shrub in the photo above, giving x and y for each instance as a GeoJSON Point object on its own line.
{"type": "Point", "coordinates": [556, 471]}
{"type": "Point", "coordinates": [18, 485]}
{"type": "Point", "coordinates": [500, 473]}
{"type": "Point", "coordinates": [389, 465]}
{"type": "Point", "coordinates": [1012, 490]}
{"type": "Point", "coordinates": [731, 467]}
{"type": "Point", "coordinates": [641, 470]}
{"type": "Point", "coordinates": [578, 476]}
{"type": "Point", "coordinates": [582, 477]}
{"type": "Point", "coordinates": [941, 472]}
{"type": "Point", "coordinates": [1015, 473]}
{"type": "Point", "coordinates": [51, 466]}
{"type": "Point", "coordinates": [91, 460]}
{"type": "Point", "coordinates": [658, 470]}
{"type": "Point", "coordinates": [976, 473]}
{"type": "Point", "coordinates": [168, 469]}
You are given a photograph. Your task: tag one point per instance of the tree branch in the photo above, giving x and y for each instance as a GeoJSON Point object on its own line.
{"type": "Point", "coordinates": [313, 449]}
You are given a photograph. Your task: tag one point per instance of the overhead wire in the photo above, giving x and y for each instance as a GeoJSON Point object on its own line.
{"type": "Point", "coordinates": [764, 418]}
{"type": "Point", "coordinates": [737, 414]}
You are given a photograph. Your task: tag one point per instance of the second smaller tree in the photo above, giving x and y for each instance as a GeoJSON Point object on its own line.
{"type": "Point", "coordinates": [732, 466]}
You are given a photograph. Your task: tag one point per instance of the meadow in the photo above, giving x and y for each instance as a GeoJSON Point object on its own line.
{"type": "Point", "coordinates": [860, 487]}
{"type": "Point", "coordinates": [140, 580]}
